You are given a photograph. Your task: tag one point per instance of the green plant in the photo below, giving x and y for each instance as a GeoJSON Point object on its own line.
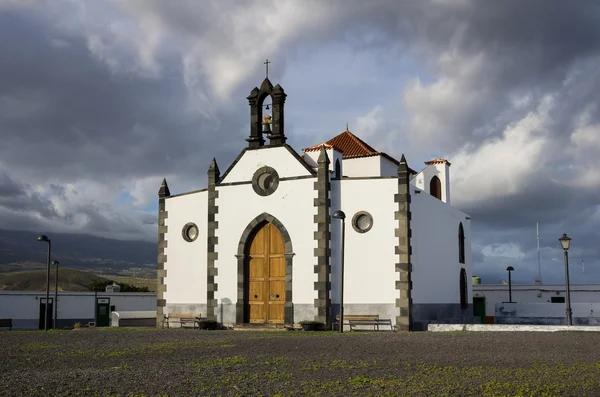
{"type": "Point", "coordinates": [77, 325]}
{"type": "Point", "coordinates": [208, 324]}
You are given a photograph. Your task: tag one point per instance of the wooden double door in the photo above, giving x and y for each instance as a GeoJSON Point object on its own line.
{"type": "Point", "coordinates": [266, 277]}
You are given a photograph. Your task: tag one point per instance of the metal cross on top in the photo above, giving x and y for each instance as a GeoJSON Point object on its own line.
{"type": "Point", "coordinates": [267, 63]}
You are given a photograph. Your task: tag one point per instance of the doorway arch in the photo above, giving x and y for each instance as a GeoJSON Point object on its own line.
{"type": "Point", "coordinates": [265, 226]}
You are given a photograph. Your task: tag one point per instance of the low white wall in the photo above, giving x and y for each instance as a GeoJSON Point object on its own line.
{"type": "Point", "coordinates": [123, 318]}
{"type": "Point", "coordinates": [546, 313]}
{"type": "Point", "coordinates": [530, 293]}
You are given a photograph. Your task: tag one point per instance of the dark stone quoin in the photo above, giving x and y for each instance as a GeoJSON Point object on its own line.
{"type": "Point", "coordinates": [212, 240]}
{"type": "Point", "coordinates": [322, 237]}
{"type": "Point", "coordinates": [404, 322]}
{"type": "Point", "coordinates": [161, 273]}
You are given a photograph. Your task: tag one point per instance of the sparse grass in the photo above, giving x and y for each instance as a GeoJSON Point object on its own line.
{"type": "Point", "coordinates": [192, 362]}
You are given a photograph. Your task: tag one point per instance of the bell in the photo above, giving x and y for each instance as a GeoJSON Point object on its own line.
{"type": "Point", "coordinates": [266, 128]}
{"type": "Point", "coordinates": [267, 107]}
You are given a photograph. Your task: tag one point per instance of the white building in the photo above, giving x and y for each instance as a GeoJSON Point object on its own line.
{"type": "Point", "coordinates": [259, 245]}
{"type": "Point", "coordinates": [537, 300]}
{"type": "Point", "coordinates": [27, 309]}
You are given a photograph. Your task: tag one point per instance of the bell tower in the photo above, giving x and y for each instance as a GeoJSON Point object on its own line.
{"type": "Point", "coordinates": [269, 125]}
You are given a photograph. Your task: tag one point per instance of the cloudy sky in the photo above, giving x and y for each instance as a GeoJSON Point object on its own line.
{"type": "Point", "coordinates": [99, 100]}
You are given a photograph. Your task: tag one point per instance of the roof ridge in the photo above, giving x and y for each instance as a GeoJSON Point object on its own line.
{"type": "Point", "coordinates": [365, 146]}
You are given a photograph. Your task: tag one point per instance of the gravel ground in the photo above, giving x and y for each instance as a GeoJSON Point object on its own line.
{"type": "Point", "coordinates": [153, 362]}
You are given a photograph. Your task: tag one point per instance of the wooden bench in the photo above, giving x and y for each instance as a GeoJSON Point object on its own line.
{"type": "Point", "coordinates": [182, 319]}
{"type": "Point", "coordinates": [354, 320]}
{"type": "Point", "coordinates": [6, 323]}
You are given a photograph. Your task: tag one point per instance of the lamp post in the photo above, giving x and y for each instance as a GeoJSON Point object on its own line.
{"type": "Point", "coordinates": [566, 243]}
{"type": "Point", "coordinates": [45, 238]}
{"type": "Point", "coordinates": [340, 215]}
{"type": "Point", "coordinates": [55, 292]}
{"type": "Point", "coordinates": [510, 269]}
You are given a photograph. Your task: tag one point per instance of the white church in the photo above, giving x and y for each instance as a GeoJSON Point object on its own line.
{"type": "Point", "coordinates": [259, 244]}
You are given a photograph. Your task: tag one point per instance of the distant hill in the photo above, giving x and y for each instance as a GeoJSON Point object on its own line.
{"type": "Point", "coordinates": [20, 251]}
{"type": "Point", "coordinates": [68, 280]}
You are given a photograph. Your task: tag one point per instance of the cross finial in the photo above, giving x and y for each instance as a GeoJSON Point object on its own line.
{"type": "Point", "coordinates": [267, 63]}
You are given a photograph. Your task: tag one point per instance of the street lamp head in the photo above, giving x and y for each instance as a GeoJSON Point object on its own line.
{"type": "Point", "coordinates": [510, 268]}
{"type": "Point", "coordinates": [43, 237]}
{"type": "Point", "coordinates": [565, 242]}
{"type": "Point", "coordinates": [339, 214]}
{"type": "Point", "coordinates": [56, 263]}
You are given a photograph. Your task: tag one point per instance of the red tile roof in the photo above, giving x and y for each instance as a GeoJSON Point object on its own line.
{"type": "Point", "coordinates": [438, 161]}
{"type": "Point", "coordinates": [352, 146]}
{"type": "Point", "coordinates": [349, 144]}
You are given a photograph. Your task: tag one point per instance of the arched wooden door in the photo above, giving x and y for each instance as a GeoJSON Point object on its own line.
{"type": "Point", "coordinates": [266, 276]}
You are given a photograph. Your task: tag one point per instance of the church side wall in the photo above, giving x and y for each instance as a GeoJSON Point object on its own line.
{"type": "Point", "coordinates": [370, 259]}
{"type": "Point", "coordinates": [292, 204]}
{"type": "Point", "coordinates": [278, 158]}
{"type": "Point", "coordinates": [435, 259]}
{"type": "Point", "coordinates": [186, 261]}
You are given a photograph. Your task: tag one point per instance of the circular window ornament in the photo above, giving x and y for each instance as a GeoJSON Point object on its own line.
{"type": "Point", "coordinates": [190, 232]}
{"type": "Point", "coordinates": [362, 222]}
{"type": "Point", "coordinates": [265, 181]}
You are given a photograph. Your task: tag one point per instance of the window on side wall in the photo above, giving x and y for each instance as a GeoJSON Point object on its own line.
{"type": "Point", "coordinates": [461, 244]}
{"type": "Point", "coordinates": [435, 187]}
{"type": "Point", "coordinates": [464, 298]}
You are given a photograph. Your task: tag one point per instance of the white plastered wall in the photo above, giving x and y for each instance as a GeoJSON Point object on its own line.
{"type": "Point", "coordinates": [278, 158]}
{"type": "Point", "coordinates": [435, 259]}
{"type": "Point", "coordinates": [312, 158]}
{"type": "Point", "coordinates": [293, 205]}
{"type": "Point", "coordinates": [369, 270]}
{"type": "Point", "coordinates": [186, 261]}
{"type": "Point", "coordinates": [442, 171]}
{"type": "Point", "coordinates": [362, 166]}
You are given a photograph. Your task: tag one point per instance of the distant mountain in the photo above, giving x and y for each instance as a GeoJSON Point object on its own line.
{"type": "Point", "coordinates": [69, 280]}
{"type": "Point", "coordinates": [20, 250]}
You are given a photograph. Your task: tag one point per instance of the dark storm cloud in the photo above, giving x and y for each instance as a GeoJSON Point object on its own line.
{"type": "Point", "coordinates": [84, 120]}
{"type": "Point", "coordinates": [8, 187]}
{"type": "Point", "coordinates": [72, 112]}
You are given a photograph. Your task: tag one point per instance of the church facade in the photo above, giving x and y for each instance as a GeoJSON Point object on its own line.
{"type": "Point", "coordinates": [260, 244]}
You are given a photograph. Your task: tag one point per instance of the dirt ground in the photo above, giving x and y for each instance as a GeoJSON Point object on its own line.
{"type": "Point", "coordinates": [153, 362]}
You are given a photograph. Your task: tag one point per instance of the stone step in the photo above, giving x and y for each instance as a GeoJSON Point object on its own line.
{"type": "Point", "coordinates": [264, 327]}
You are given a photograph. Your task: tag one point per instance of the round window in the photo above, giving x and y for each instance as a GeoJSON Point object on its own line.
{"type": "Point", "coordinates": [265, 181]}
{"type": "Point", "coordinates": [190, 232]}
{"type": "Point", "coordinates": [362, 222]}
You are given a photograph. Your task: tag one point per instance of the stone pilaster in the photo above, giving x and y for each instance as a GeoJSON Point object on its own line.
{"type": "Point", "coordinates": [404, 321]}
{"type": "Point", "coordinates": [161, 286]}
{"type": "Point", "coordinates": [322, 236]}
{"type": "Point", "coordinates": [212, 240]}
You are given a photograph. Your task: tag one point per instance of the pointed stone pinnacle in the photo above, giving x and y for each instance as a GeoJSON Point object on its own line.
{"type": "Point", "coordinates": [323, 157]}
{"type": "Point", "coordinates": [213, 170]}
{"type": "Point", "coordinates": [164, 189]}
